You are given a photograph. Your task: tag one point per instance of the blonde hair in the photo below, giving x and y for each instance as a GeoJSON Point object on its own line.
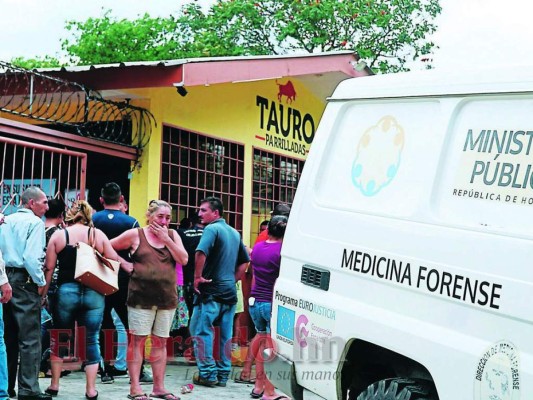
{"type": "Point", "coordinates": [155, 205]}
{"type": "Point", "coordinates": [80, 212]}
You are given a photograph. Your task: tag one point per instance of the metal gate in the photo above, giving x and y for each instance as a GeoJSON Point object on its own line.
{"type": "Point", "coordinates": [59, 173]}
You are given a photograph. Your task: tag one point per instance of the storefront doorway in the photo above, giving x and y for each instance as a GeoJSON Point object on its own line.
{"type": "Point", "coordinates": [64, 165]}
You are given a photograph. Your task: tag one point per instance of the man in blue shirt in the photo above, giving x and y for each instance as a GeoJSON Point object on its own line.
{"type": "Point", "coordinates": [22, 242]}
{"type": "Point", "coordinates": [221, 259]}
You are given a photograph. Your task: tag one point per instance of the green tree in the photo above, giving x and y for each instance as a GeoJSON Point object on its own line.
{"type": "Point", "coordinates": [109, 40]}
{"type": "Point", "coordinates": [37, 62]}
{"type": "Point", "coordinates": [387, 34]}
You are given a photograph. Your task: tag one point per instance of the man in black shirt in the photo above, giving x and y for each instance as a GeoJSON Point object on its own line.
{"type": "Point", "coordinates": [190, 238]}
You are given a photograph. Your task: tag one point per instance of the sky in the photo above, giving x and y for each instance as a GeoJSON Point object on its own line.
{"type": "Point", "coordinates": [471, 32]}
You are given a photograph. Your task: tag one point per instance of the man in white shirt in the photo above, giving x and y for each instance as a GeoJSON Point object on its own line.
{"type": "Point", "coordinates": [22, 242]}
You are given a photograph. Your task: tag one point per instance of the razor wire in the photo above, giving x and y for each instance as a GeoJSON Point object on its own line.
{"type": "Point", "coordinates": [74, 106]}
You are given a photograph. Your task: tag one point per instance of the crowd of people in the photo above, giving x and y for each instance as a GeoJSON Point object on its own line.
{"type": "Point", "coordinates": [170, 282]}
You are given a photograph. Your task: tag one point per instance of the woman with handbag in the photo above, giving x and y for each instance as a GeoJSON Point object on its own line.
{"type": "Point", "coordinates": [152, 298]}
{"type": "Point", "coordinates": [75, 301]}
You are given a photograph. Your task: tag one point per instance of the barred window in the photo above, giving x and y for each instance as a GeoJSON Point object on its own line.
{"type": "Point", "coordinates": [59, 173]}
{"type": "Point", "coordinates": [195, 166]}
{"type": "Point", "coordinates": [274, 181]}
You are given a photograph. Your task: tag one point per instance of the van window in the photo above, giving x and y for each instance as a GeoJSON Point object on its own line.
{"type": "Point", "coordinates": [486, 177]}
{"type": "Point", "coordinates": [381, 159]}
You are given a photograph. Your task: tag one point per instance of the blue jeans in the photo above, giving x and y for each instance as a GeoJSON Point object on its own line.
{"type": "Point", "coordinates": [79, 303]}
{"type": "Point", "coordinates": [3, 361]}
{"type": "Point", "coordinates": [207, 317]}
{"type": "Point", "coordinates": [122, 342]}
{"type": "Point", "coordinates": [261, 312]}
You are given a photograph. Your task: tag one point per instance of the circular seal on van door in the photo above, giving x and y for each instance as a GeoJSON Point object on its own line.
{"type": "Point", "coordinates": [498, 373]}
{"type": "Point", "coordinates": [378, 156]}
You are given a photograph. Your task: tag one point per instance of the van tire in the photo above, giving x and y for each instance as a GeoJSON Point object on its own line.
{"type": "Point", "coordinates": [397, 389]}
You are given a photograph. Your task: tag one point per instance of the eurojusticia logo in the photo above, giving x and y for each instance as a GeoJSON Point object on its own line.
{"type": "Point", "coordinates": [378, 156]}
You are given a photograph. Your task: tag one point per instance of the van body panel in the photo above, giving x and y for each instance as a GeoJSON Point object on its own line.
{"type": "Point", "coordinates": [442, 83]}
{"type": "Point", "coordinates": [419, 207]}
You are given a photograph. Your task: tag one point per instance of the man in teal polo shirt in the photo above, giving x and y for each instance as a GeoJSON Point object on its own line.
{"type": "Point", "coordinates": [220, 260]}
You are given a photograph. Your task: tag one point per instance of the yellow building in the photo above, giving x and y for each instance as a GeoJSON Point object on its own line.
{"type": "Point", "coordinates": [238, 128]}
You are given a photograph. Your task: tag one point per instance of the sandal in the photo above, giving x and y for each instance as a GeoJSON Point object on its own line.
{"type": "Point", "coordinates": [141, 396]}
{"type": "Point", "coordinates": [164, 396]}
{"type": "Point", "coordinates": [95, 397]}
{"type": "Point", "coordinates": [249, 381]}
{"type": "Point", "coordinates": [52, 392]}
{"type": "Point", "coordinates": [255, 395]}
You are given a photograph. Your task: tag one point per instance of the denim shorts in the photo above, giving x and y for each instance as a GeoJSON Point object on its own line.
{"type": "Point", "coordinates": [260, 313]}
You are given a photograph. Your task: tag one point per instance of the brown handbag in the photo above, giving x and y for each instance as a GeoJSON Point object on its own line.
{"type": "Point", "coordinates": [93, 269]}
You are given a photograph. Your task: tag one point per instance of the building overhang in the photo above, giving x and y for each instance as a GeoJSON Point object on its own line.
{"type": "Point", "coordinates": [94, 100]}
{"type": "Point", "coordinates": [333, 67]}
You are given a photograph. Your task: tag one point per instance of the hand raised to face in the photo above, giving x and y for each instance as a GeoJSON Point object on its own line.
{"type": "Point", "coordinates": [160, 231]}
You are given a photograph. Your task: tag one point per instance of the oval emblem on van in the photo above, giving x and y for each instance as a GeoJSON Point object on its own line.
{"type": "Point", "coordinates": [378, 156]}
{"type": "Point", "coordinates": [498, 373]}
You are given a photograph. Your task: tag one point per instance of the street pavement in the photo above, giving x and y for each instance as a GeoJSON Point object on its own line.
{"type": "Point", "coordinates": [72, 386]}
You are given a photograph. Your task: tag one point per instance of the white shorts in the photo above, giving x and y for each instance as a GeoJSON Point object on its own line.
{"type": "Point", "coordinates": [144, 322]}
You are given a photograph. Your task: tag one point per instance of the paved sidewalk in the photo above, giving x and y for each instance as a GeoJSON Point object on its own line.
{"type": "Point", "coordinates": [73, 386]}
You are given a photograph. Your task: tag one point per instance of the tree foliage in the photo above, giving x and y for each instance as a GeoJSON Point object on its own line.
{"type": "Point", "coordinates": [387, 34]}
{"type": "Point", "coordinates": [109, 40]}
{"type": "Point", "coordinates": [37, 62]}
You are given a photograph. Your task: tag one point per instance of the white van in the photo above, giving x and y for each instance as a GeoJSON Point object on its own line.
{"type": "Point", "coordinates": [407, 266]}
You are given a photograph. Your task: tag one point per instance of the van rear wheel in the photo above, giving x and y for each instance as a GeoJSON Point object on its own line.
{"type": "Point", "coordinates": [398, 389]}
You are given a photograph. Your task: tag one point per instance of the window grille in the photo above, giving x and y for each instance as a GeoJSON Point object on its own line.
{"type": "Point", "coordinates": [274, 181]}
{"type": "Point", "coordinates": [59, 173]}
{"type": "Point", "coordinates": [195, 166]}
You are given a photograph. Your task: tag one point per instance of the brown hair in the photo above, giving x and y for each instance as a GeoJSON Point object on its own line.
{"type": "Point", "coordinates": [80, 212]}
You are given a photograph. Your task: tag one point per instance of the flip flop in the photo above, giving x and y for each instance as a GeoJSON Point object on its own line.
{"type": "Point", "coordinates": [164, 396]}
{"type": "Point", "coordinates": [52, 392]}
{"type": "Point", "coordinates": [141, 396]}
{"type": "Point", "coordinates": [249, 381]}
{"type": "Point", "coordinates": [277, 398]}
{"type": "Point", "coordinates": [255, 395]}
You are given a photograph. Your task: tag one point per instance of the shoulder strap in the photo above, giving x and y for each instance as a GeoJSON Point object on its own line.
{"type": "Point", "coordinates": [141, 234]}
{"type": "Point", "coordinates": [91, 237]}
{"type": "Point", "coordinates": [67, 238]}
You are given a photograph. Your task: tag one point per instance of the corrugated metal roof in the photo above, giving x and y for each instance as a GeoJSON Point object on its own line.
{"type": "Point", "coordinates": [171, 63]}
